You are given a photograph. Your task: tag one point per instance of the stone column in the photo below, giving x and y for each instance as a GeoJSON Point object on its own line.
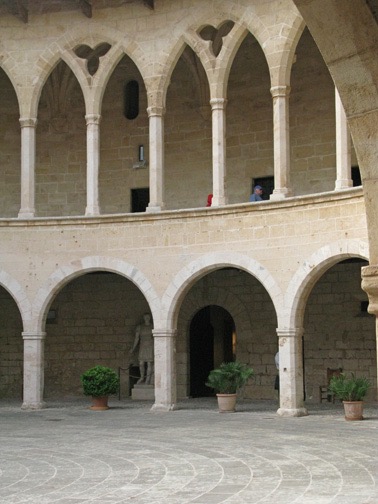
{"type": "Point", "coordinates": [291, 373]}
{"type": "Point", "coordinates": [156, 162]}
{"type": "Point", "coordinates": [370, 286]}
{"type": "Point", "coordinates": [281, 139]}
{"type": "Point", "coordinates": [343, 157]}
{"type": "Point", "coordinates": [93, 163]}
{"type": "Point", "coordinates": [33, 370]}
{"type": "Point", "coordinates": [165, 369]}
{"type": "Point", "coordinates": [28, 126]}
{"type": "Point", "coordinates": [218, 108]}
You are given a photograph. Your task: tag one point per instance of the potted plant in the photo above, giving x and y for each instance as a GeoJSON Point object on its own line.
{"type": "Point", "coordinates": [226, 381]}
{"type": "Point", "coordinates": [100, 382]}
{"type": "Point", "coordinates": [352, 392]}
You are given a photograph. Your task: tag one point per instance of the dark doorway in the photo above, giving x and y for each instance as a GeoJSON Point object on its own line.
{"type": "Point", "coordinates": [212, 337]}
{"type": "Point", "coordinates": [140, 199]}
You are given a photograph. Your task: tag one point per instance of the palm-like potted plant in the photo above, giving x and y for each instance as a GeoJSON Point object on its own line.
{"type": "Point", "coordinates": [100, 382]}
{"type": "Point", "coordinates": [226, 381]}
{"type": "Point", "coordinates": [351, 391]}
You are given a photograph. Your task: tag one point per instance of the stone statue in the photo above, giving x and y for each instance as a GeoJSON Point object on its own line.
{"type": "Point", "coordinates": [145, 341]}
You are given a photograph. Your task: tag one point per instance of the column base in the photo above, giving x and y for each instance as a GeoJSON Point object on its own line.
{"type": "Point", "coordinates": [92, 211]}
{"type": "Point", "coordinates": [154, 209]}
{"type": "Point", "coordinates": [292, 412]}
{"type": "Point", "coordinates": [163, 408]}
{"type": "Point", "coordinates": [33, 406]}
{"type": "Point", "coordinates": [280, 194]}
{"type": "Point", "coordinates": [343, 184]}
{"type": "Point", "coordinates": [218, 201]}
{"type": "Point", "coordinates": [26, 214]}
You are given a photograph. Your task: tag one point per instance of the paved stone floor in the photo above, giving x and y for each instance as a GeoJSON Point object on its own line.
{"type": "Point", "coordinates": [69, 454]}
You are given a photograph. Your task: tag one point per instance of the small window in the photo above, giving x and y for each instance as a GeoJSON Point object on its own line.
{"type": "Point", "coordinates": [131, 100]}
{"type": "Point", "coordinates": [267, 183]}
{"type": "Point", "coordinates": [140, 199]}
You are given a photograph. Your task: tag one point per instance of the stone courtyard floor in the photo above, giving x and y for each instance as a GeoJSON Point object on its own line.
{"type": "Point", "coordinates": [68, 454]}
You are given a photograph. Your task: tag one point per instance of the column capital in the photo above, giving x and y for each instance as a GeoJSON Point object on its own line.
{"type": "Point", "coordinates": [28, 335]}
{"type": "Point", "coordinates": [296, 332]}
{"type": "Point", "coordinates": [277, 91]}
{"type": "Point", "coordinates": [155, 111]}
{"type": "Point", "coordinates": [218, 103]}
{"type": "Point", "coordinates": [164, 333]}
{"type": "Point", "coordinates": [370, 286]}
{"type": "Point", "coordinates": [93, 119]}
{"type": "Point", "coordinates": [28, 122]}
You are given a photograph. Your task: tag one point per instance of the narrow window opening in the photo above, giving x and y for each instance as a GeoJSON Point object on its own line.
{"type": "Point", "coordinates": [356, 176]}
{"type": "Point", "coordinates": [131, 100]}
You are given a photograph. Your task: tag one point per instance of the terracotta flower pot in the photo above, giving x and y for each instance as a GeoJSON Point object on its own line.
{"type": "Point", "coordinates": [353, 410]}
{"type": "Point", "coordinates": [226, 403]}
{"type": "Point", "coordinates": [99, 403]}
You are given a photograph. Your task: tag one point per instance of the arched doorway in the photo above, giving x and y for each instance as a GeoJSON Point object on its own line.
{"type": "Point", "coordinates": [212, 341]}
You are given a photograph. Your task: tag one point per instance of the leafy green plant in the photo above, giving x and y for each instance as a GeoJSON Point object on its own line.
{"type": "Point", "coordinates": [349, 389]}
{"type": "Point", "coordinates": [229, 377]}
{"type": "Point", "coordinates": [100, 381]}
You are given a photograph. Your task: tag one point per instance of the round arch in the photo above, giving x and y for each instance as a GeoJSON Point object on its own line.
{"type": "Point", "coordinates": [184, 279]}
{"type": "Point", "coordinates": [86, 265]}
{"type": "Point", "coordinates": [248, 332]}
{"type": "Point", "coordinates": [309, 273]}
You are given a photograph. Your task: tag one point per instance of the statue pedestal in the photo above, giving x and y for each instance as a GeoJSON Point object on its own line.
{"type": "Point", "coordinates": [143, 392]}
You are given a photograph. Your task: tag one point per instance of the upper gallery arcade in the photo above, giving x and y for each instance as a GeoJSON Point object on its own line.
{"type": "Point", "coordinates": [98, 111]}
